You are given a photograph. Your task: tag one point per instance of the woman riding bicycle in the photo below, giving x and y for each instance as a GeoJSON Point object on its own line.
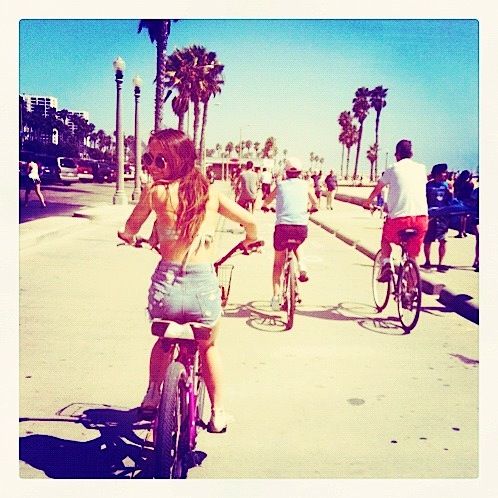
{"type": "Point", "coordinates": [184, 286]}
{"type": "Point", "coordinates": [292, 197]}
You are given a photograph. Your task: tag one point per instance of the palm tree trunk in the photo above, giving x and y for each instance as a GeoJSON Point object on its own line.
{"type": "Point", "coordinates": [161, 44]}
{"type": "Point", "coordinates": [360, 132]}
{"type": "Point", "coordinates": [342, 159]}
{"type": "Point", "coordinates": [181, 121]}
{"type": "Point", "coordinates": [203, 130]}
{"type": "Point", "coordinates": [158, 108]}
{"type": "Point", "coordinates": [372, 170]}
{"type": "Point", "coordinates": [377, 121]}
{"type": "Point", "coordinates": [347, 163]}
{"type": "Point", "coordinates": [196, 121]}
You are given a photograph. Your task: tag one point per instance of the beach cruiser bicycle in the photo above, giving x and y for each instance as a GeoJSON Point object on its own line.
{"type": "Point", "coordinates": [405, 285]}
{"type": "Point", "coordinates": [290, 291]}
{"type": "Point", "coordinates": [179, 417]}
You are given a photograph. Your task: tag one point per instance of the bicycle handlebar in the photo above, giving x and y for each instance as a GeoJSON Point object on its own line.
{"type": "Point", "coordinates": [253, 247]}
{"type": "Point", "coordinates": [138, 243]}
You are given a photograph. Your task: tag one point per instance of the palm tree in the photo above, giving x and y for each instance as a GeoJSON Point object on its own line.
{"type": "Point", "coordinates": [180, 105]}
{"type": "Point", "coordinates": [372, 157]}
{"type": "Point", "coordinates": [229, 148]}
{"type": "Point", "coordinates": [349, 138]}
{"type": "Point", "coordinates": [248, 145]}
{"type": "Point", "coordinates": [256, 146]}
{"type": "Point", "coordinates": [159, 30]}
{"type": "Point", "coordinates": [378, 102]}
{"type": "Point", "coordinates": [312, 157]}
{"type": "Point", "coordinates": [345, 121]}
{"type": "Point", "coordinates": [269, 148]}
{"type": "Point", "coordinates": [361, 106]}
{"type": "Point", "coordinates": [210, 82]}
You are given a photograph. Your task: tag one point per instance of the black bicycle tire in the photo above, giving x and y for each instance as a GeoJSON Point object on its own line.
{"type": "Point", "coordinates": [291, 298]}
{"type": "Point", "coordinates": [167, 446]}
{"type": "Point", "coordinates": [408, 327]}
{"type": "Point", "coordinates": [380, 302]}
{"type": "Point", "coordinates": [200, 394]}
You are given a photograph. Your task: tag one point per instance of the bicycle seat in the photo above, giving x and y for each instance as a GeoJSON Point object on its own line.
{"type": "Point", "coordinates": [168, 329]}
{"type": "Point", "coordinates": [292, 243]}
{"type": "Point", "coordinates": [407, 233]}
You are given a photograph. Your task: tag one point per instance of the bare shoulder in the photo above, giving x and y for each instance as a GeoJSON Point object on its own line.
{"type": "Point", "coordinates": [213, 198]}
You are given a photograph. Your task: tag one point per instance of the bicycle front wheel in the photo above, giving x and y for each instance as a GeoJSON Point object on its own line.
{"type": "Point", "coordinates": [409, 292]}
{"type": "Point", "coordinates": [381, 290]}
{"type": "Point", "coordinates": [290, 289]}
{"type": "Point", "coordinates": [169, 454]}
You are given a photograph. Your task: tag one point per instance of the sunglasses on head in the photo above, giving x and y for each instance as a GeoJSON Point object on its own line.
{"type": "Point", "coordinates": [159, 160]}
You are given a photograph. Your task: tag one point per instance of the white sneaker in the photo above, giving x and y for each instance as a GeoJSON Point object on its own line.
{"type": "Point", "coordinates": [275, 303]}
{"type": "Point", "coordinates": [218, 422]}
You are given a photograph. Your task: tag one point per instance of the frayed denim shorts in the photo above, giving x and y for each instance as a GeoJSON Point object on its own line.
{"type": "Point", "coordinates": [185, 295]}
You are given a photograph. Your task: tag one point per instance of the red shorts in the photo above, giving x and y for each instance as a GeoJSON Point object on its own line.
{"type": "Point", "coordinates": [392, 227]}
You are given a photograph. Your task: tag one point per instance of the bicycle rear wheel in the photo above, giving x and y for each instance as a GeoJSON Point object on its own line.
{"type": "Point", "coordinates": [409, 292]}
{"type": "Point", "coordinates": [381, 290]}
{"type": "Point", "coordinates": [169, 452]}
{"type": "Point", "coordinates": [290, 287]}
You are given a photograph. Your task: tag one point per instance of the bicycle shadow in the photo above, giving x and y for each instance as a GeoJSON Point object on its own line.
{"type": "Point", "coordinates": [121, 451]}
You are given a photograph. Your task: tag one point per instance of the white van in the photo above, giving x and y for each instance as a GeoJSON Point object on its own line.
{"type": "Point", "coordinates": [68, 170]}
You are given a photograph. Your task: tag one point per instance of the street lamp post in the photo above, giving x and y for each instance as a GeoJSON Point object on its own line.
{"type": "Point", "coordinates": [137, 83]}
{"type": "Point", "coordinates": [119, 195]}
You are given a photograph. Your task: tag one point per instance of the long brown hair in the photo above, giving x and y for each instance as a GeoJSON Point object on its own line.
{"type": "Point", "coordinates": [179, 152]}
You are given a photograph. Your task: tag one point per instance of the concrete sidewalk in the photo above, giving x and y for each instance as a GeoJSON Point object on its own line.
{"type": "Point", "coordinates": [458, 288]}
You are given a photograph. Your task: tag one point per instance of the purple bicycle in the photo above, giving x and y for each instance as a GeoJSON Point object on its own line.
{"type": "Point", "coordinates": [179, 417]}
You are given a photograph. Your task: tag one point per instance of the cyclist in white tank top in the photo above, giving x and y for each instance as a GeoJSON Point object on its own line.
{"type": "Point", "coordinates": [292, 198]}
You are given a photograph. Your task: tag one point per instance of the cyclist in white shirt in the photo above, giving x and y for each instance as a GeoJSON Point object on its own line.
{"type": "Point", "coordinates": [406, 205]}
{"type": "Point", "coordinates": [292, 197]}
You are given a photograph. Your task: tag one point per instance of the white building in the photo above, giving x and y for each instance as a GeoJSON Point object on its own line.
{"type": "Point", "coordinates": [83, 114]}
{"type": "Point", "coordinates": [39, 102]}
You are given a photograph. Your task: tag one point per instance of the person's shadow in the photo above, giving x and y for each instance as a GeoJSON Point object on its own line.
{"type": "Point", "coordinates": [122, 450]}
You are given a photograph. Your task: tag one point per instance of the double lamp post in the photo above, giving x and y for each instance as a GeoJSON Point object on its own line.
{"type": "Point", "coordinates": [120, 194]}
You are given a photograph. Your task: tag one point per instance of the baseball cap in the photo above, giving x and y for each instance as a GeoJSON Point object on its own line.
{"type": "Point", "coordinates": [293, 164]}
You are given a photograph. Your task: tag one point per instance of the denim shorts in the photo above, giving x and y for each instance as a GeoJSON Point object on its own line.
{"type": "Point", "coordinates": [189, 295]}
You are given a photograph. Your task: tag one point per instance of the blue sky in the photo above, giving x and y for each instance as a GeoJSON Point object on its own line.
{"type": "Point", "coordinates": [284, 78]}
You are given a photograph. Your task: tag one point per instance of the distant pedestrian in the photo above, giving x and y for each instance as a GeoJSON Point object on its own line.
{"type": "Point", "coordinates": [463, 191]}
{"type": "Point", "coordinates": [438, 195]}
{"type": "Point", "coordinates": [317, 185]}
{"type": "Point", "coordinates": [474, 220]}
{"type": "Point", "coordinates": [331, 184]}
{"type": "Point", "coordinates": [144, 177]}
{"type": "Point", "coordinates": [266, 181]}
{"type": "Point", "coordinates": [33, 183]}
{"type": "Point", "coordinates": [247, 187]}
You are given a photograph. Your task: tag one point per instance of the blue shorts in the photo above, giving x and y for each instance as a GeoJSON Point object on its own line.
{"type": "Point", "coordinates": [192, 295]}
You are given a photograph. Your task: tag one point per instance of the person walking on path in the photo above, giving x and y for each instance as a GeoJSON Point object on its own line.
{"type": "Point", "coordinates": [184, 286]}
{"type": "Point", "coordinates": [247, 187]}
{"type": "Point", "coordinates": [317, 185]}
{"type": "Point", "coordinates": [34, 183]}
{"type": "Point", "coordinates": [144, 177]}
{"type": "Point", "coordinates": [266, 181]}
{"type": "Point", "coordinates": [331, 184]}
{"type": "Point", "coordinates": [292, 197]}
{"type": "Point", "coordinates": [463, 191]}
{"type": "Point", "coordinates": [406, 205]}
{"type": "Point", "coordinates": [438, 195]}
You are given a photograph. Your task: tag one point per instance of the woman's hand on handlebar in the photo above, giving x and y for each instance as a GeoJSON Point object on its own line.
{"type": "Point", "coordinates": [250, 245]}
{"type": "Point", "coordinates": [132, 240]}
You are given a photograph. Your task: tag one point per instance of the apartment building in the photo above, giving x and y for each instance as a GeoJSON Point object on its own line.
{"type": "Point", "coordinates": [39, 102]}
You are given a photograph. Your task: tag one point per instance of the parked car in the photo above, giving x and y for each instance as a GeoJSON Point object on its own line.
{"type": "Point", "coordinates": [106, 172]}
{"type": "Point", "coordinates": [86, 169]}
